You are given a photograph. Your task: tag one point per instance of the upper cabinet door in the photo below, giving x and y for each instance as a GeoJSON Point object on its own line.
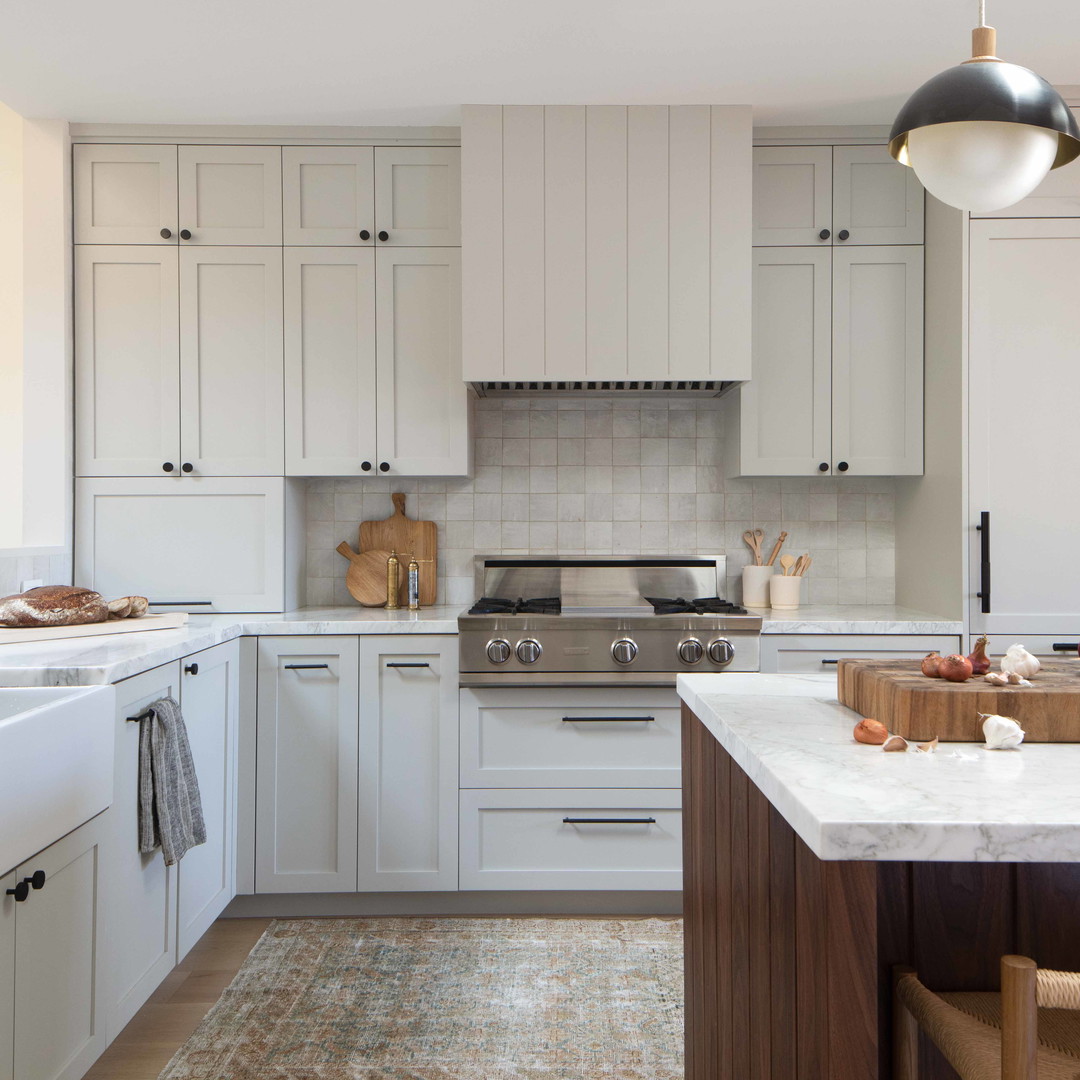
{"type": "Point", "coordinates": [786, 407]}
{"type": "Point", "coordinates": [422, 401]}
{"type": "Point", "coordinates": [792, 196]}
{"type": "Point", "coordinates": [876, 200]}
{"type": "Point", "coordinates": [231, 366]}
{"type": "Point", "coordinates": [127, 361]}
{"type": "Point", "coordinates": [230, 194]}
{"type": "Point", "coordinates": [125, 194]}
{"type": "Point", "coordinates": [330, 362]}
{"type": "Point", "coordinates": [418, 196]}
{"type": "Point", "coordinates": [328, 195]}
{"type": "Point", "coordinates": [878, 361]}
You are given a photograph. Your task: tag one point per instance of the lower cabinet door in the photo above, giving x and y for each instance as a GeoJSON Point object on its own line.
{"type": "Point", "coordinates": [140, 923]}
{"type": "Point", "coordinates": [571, 839]}
{"type": "Point", "coordinates": [408, 837]}
{"type": "Point", "coordinates": [59, 1027]}
{"type": "Point", "coordinates": [7, 976]}
{"type": "Point", "coordinates": [305, 802]}
{"type": "Point", "coordinates": [817, 654]}
{"type": "Point", "coordinates": [206, 876]}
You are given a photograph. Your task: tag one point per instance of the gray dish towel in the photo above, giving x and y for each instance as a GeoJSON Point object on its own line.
{"type": "Point", "coordinates": [170, 807]}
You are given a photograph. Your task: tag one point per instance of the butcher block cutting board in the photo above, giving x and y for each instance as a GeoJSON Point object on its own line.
{"type": "Point", "coordinates": [896, 693]}
{"type": "Point", "coordinates": [420, 539]}
{"type": "Point", "coordinates": [10, 635]}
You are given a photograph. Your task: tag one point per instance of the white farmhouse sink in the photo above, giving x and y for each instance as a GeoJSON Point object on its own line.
{"type": "Point", "coordinates": [56, 764]}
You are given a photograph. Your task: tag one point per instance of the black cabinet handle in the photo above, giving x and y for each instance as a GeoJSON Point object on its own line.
{"type": "Point", "coordinates": [185, 234]}
{"type": "Point", "coordinates": [365, 466]}
{"type": "Point", "coordinates": [187, 467]}
{"type": "Point", "coordinates": [20, 892]}
{"type": "Point", "coordinates": [609, 821]}
{"type": "Point", "coordinates": [608, 719]}
{"type": "Point", "coordinates": [824, 234]}
{"type": "Point", "coordinates": [395, 664]}
{"type": "Point", "coordinates": [830, 661]}
{"type": "Point", "coordinates": [145, 714]}
{"type": "Point", "coordinates": [984, 561]}
{"type": "Point", "coordinates": [191, 669]}
{"type": "Point", "coordinates": [1065, 646]}
{"type": "Point", "coordinates": [823, 467]}
{"type": "Point", "coordinates": [305, 667]}
{"type": "Point", "coordinates": [843, 234]}
{"type": "Point", "coordinates": [181, 603]}
{"type": "Point", "coordinates": [842, 466]}
{"type": "Point", "coordinates": [36, 880]}
{"type": "Point", "coordinates": [384, 466]}
{"type": "Point", "coordinates": [365, 234]}
{"type": "Point", "coordinates": [166, 234]}
{"type": "Point", "coordinates": [384, 235]}
{"type": "Point", "coordinates": [167, 466]}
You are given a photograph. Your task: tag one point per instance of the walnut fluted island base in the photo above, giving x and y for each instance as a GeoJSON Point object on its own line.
{"type": "Point", "coordinates": [814, 864]}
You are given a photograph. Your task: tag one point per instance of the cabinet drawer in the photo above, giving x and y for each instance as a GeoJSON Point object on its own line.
{"type": "Point", "coordinates": [1041, 645]}
{"type": "Point", "coordinates": [806, 654]}
{"type": "Point", "coordinates": [569, 738]}
{"type": "Point", "coordinates": [626, 839]}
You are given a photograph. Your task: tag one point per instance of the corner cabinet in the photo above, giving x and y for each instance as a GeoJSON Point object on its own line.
{"type": "Point", "coordinates": [606, 242]}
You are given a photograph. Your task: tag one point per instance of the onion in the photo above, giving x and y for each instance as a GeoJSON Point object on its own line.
{"type": "Point", "coordinates": [930, 665]}
{"type": "Point", "coordinates": [955, 668]}
{"type": "Point", "coordinates": [873, 732]}
{"type": "Point", "coordinates": [980, 662]}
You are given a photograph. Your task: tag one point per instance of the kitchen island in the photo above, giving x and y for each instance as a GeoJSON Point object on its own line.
{"type": "Point", "coordinates": [812, 864]}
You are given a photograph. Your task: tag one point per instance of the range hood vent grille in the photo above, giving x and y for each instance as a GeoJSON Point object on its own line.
{"type": "Point", "coordinates": [670, 388]}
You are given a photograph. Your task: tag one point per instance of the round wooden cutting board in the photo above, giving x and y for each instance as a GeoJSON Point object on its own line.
{"type": "Point", "coordinates": [366, 577]}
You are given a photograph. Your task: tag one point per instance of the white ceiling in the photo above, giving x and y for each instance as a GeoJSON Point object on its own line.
{"type": "Point", "coordinates": [416, 61]}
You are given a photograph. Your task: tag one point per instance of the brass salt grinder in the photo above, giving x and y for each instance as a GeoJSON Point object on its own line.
{"type": "Point", "coordinates": [392, 568]}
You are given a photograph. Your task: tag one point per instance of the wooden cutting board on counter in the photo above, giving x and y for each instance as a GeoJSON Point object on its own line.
{"type": "Point", "coordinates": [406, 536]}
{"type": "Point", "coordinates": [366, 578]}
{"type": "Point", "coordinates": [896, 693]}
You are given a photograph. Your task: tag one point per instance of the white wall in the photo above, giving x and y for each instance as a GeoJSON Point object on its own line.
{"type": "Point", "coordinates": [11, 349]}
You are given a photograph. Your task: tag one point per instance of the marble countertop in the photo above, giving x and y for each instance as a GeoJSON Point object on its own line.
{"type": "Point", "coordinates": [861, 619]}
{"type": "Point", "coordinates": [108, 659]}
{"type": "Point", "coordinates": [854, 802]}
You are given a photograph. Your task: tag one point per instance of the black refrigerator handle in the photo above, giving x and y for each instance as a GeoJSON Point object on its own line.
{"type": "Point", "coordinates": [984, 561]}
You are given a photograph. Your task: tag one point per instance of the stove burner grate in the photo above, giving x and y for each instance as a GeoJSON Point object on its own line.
{"type": "Point", "coordinates": [707, 605]}
{"type": "Point", "coordinates": [497, 605]}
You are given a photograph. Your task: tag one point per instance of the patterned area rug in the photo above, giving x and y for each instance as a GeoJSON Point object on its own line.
{"type": "Point", "coordinates": [448, 999]}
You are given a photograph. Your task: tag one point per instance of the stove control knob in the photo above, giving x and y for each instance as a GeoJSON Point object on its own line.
{"type": "Point", "coordinates": [721, 651]}
{"type": "Point", "coordinates": [624, 651]}
{"type": "Point", "coordinates": [498, 651]}
{"type": "Point", "coordinates": [529, 650]}
{"type": "Point", "coordinates": [691, 651]}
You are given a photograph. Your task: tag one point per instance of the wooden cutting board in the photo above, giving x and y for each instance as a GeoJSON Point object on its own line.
{"type": "Point", "coordinates": [407, 537]}
{"type": "Point", "coordinates": [366, 577]}
{"type": "Point", "coordinates": [11, 635]}
{"type": "Point", "coordinates": [909, 704]}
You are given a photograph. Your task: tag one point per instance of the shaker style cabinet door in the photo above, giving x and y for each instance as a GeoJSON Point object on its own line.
{"type": "Point", "coordinates": [422, 402]}
{"type": "Point", "coordinates": [306, 765]}
{"type": "Point", "coordinates": [127, 361]}
{"type": "Point", "coordinates": [125, 194]}
{"type": "Point", "coordinates": [330, 413]}
{"type": "Point", "coordinates": [230, 194]}
{"type": "Point", "coordinates": [876, 200]}
{"type": "Point", "coordinates": [793, 195]}
{"type": "Point", "coordinates": [328, 195]}
{"type": "Point", "coordinates": [231, 365]}
{"type": "Point", "coordinates": [418, 196]}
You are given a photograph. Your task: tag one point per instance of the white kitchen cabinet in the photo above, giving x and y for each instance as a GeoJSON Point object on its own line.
{"type": "Point", "coordinates": [127, 373]}
{"type": "Point", "coordinates": [817, 654]}
{"type": "Point", "coordinates": [422, 403]}
{"type": "Point", "coordinates": [606, 242]}
{"type": "Point", "coordinates": [8, 908]}
{"type": "Point", "coordinates": [201, 544]}
{"type": "Point", "coordinates": [418, 196]}
{"type": "Point", "coordinates": [231, 361]}
{"type": "Point", "coordinates": [838, 363]}
{"type": "Point", "coordinates": [140, 912]}
{"type": "Point", "coordinates": [209, 696]}
{"type": "Point", "coordinates": [328, 195]}
{"type": "Point", "coordinates": [1023, 382]}
{"type": "Point", "coordinates": [306, 765]}
{"type": "Point", "coordinates": [408, 835]}
{"type": "Point", "coordinates": [230, 194]}
{"type": "Point", "coordinates": [59, 1025]}
{"type": "Point", "coordinates": [576, 737]}
{"type": "Point", "coordinates": [125, 194]}
{"type": "Point", "coordinates": [821, 196]}
{"type": "Point", "coordinates": [330, 408]}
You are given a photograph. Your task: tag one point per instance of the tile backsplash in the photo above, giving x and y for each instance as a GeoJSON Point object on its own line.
{"type": "Point", "coordinates": [614, 475]}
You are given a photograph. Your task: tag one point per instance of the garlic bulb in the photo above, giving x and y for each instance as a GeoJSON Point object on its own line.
{"type": "Point", "coordinates": [1017, 660]}
{"type": "Point", "coordinates": [1000, 732]}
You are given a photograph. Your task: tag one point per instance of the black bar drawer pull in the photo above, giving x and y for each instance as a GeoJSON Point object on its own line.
{"type": "Point", "coordinates": [984, 561]}
{"type": "Point", "coordinates": [305, 667]}
{"type": "Point", "coordinates": [609, 821]}
{"type": "Point", "coordinates": [830, 661]}
{"type": "Point", "coordinates": [139, 716]}
{"type": "Point", "coordinates": [181, 603]}
{"type": "Point", "coordinates": [394, 663]}
{"type": "Point", "coordinates": [1065, 646]}
{"type": "Point", "coordinates": [608, 719]}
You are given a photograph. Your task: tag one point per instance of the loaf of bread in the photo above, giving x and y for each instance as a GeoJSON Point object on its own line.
{"type": "Point", "coordinates": [53, 605]}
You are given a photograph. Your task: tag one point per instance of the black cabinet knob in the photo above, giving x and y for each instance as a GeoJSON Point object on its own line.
{"type": "Point", "coordinates": [823, 467]}
{"type": "Point", "coordinates": [384, 466]}
{"type": "Point", "coordinates": [365, 234]}
{"type": "Point", "coordinates": [843, 234]}
{"type": "Point", "coordinates": [167, 466]}
{"type": "Point", "coordinates": [36, 880]}
{"type": "Point", "coordinates": [824, 234]}
{"type": "Point", "coordinates": [166, 233]}
{"type": "Point", "coordinates": [843, 466]}
{"type": "Point", "coordinates": [365, 466]}
{"type": "Point", "coordinates": [185, 234]}
{"type": "Point", "coordinates": [187, 467]}
{"type": "Point", "coordinates": [384, 235]}
{"type": "Point", "coordinates": [20, 892]}
{"type": "Point", "coordinates": [191, 669]}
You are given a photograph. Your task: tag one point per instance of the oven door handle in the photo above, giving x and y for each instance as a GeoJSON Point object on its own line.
{"type": "Point", "coordinates": [608, 719]}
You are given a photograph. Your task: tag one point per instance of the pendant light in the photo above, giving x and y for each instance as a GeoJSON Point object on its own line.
{"type": "Point", "coordinates": [984, 134]}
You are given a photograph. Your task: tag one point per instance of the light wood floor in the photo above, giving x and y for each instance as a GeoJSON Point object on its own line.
{"type": "Point", "coordinates": [164, 1023]}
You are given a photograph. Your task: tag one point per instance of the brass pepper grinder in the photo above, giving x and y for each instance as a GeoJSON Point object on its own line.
{"type": "Point", "coordinates": [392, 569]}
{"type": "Point", "coordinates": [414, 584]}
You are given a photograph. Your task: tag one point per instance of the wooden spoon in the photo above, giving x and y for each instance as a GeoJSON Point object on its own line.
{"type": "Point", "coordinates": [787, 562]}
